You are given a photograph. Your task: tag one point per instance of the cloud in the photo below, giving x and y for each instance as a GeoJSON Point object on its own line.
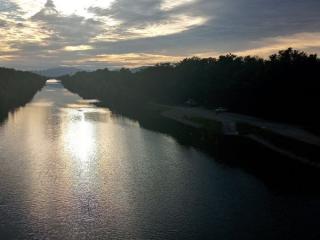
{"type": "Point", "coordinates": [268, 46]}
{"type": "Point", "coordinates": [6, 57]}
{"type": "Point", "coordinates": [50, 5]}
{"type": "Point", "coordinates": [71, 30]}
{"type": "Point", "coordinates": [3, 23]}
{"type": "Point", "coordinates": [147, 19]}
{"type": "Point", "coordinates": [127, 60]}
{"type": "Point", "coordinates": [168, 5]}
{"type": "Point", "coordinates": [78, 48]}
{"type": "Point", "coordinates": [46, 33]}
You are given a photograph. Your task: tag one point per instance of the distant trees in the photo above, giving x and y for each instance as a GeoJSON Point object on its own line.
{"type": "Point", "coordinates": [17, 88]}
{"type": "Point", "coordinates": [284, 87]}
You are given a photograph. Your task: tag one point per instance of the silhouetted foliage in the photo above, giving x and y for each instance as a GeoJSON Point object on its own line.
{"type": "Point", "coordinates": [17, 88]}
{"type": "Point", "coordinates": [284, 88]}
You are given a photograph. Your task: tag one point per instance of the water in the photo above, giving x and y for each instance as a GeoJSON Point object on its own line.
{"type": "Point", "coordinates": [70, 170]}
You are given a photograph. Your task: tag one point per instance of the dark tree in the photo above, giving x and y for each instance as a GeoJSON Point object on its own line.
{"type": "Point", "coordinates": [17, 88]}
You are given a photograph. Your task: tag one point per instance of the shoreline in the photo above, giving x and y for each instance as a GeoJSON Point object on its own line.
{"type": "Point", "coordinates": [256, 128]}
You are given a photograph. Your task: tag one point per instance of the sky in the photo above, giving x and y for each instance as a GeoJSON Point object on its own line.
{"type": "Point", "coordinates": [90, 34]}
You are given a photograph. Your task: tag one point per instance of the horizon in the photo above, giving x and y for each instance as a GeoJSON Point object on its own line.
{"type": "Point", "coordinates": [93, 35]}
{"type": "Point", "coordinates": [85, 68]}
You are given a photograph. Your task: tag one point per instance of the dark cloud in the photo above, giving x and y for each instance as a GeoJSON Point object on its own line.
{"type": "Point", "coordinates": [68, 30]}
{"type": "Point", "coordinates": [50, 4]}
{"type": "Point", "coordinates": [139, 12]}
{"type": "Point", "coordinates": [7, 6]}
{"type": "Point", "coordinates": [232, 24]}
{"type": "Point", "coordinates": [3, 23]}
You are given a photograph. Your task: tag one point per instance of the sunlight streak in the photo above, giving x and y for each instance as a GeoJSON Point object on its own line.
{"type": "Point", "coordinates": [80, 137]}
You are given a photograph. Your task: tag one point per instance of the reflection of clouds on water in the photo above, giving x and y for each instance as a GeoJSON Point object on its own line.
{"type": "Point", "coordinates": [65, 93]}
{"type": "Point", "coordinates": [81, 161]}
{"type": "Point", "coordinates": [79, 132]}
{"type": "Point", "coordinates": [96, 116]}
{"type": "Point", "coordinates": [42, 104]}
{"type": "Point", "coordinates": [78, 105]}
{"type": "Point", "coordinates": [83, 103]}
{"type": "Point", "coordinates": [77, 165]}
{"type": "Point", "coordinates": [72, 168]}
{"type": "Point", "coordinates": [50, 81]}
{"type": "Point", "coordinates": [123, 121]}
{"type": "Point", "coordinates": [89, 114]}
{"type": "Point", "coordinates": [88, 101]}
{"type": "Point", "coordinates": [87, 110]}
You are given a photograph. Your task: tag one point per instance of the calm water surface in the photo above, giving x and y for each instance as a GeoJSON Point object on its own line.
{"type": "Point", "coordinates": [70, 170]}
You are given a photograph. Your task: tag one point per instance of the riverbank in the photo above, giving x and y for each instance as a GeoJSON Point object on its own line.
{"type": "Point", "coordinates": [288, 140]}
{"type": "Point", "coordinates": [16, 89]}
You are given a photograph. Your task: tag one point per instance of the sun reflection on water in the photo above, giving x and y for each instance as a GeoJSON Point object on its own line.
{"type": "Point", "coordinates": [80, 140]}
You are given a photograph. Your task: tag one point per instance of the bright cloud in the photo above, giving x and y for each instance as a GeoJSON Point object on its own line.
{"type": "Point", "coordinates": [80, 7]}
{"type": "Point", "coordinates": [268, 46]}
{"type": "Point", "coordinates": [78, 48]}
{"type": "Point", "coordinates": [176, 25]}
{"type": "Point", "coordinates": [169, 4]}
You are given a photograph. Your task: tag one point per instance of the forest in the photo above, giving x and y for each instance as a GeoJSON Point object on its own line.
{"type": "Point", "coordinates": [285, 87]}
{"type": "Point", "coordinates": [16, 89]}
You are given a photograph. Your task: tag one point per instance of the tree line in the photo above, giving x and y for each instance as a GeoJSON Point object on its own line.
{"type": "Point", "coordinates": [17, 88]}
{"type": "Point", "coordinates": [285, 87]}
